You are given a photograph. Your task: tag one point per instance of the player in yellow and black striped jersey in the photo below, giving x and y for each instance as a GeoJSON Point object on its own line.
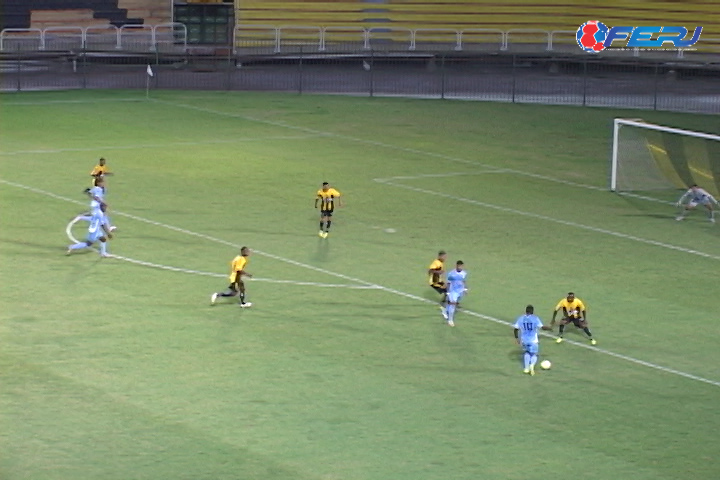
{"type": "Point", "coordinates": [237, 272]}
{"type": "Point", "coordinates": [100, 170]}
{"type": "Point", "coordinates": [436, 270]}
{"type": "Point", "coordinates": [327, 199]}
{"type": "Point", "coordinates": [574, 312]}
{"type": "Point", "coordinates": [436, 278]}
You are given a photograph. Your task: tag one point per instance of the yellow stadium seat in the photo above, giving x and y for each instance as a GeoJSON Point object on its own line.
{"type": "Point", "coordinates": [450, 15]}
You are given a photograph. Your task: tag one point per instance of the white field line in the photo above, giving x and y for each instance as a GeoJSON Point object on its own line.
{"type": "Point", "coordinates": [49, 102]}
{"type": "Point", "coordinates": [68, 231]}
{"type": "Point", "coordinates": [551, 219]}
{"type": "Point", "coordinates": [406, 150]}
{"type": "Point", "coordinates": [437, 175]}
{"type": "Point", "coordinates": [160, 145]}
{"type": "Point", "coordinates": [383, 288]}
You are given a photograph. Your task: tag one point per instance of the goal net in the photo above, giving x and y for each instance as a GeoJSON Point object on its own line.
{"type": "Point", "coordinates": [647, 157]}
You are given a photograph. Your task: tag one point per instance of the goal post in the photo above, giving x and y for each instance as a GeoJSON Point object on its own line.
{"type": "Point", "coordinates": [648, 157]}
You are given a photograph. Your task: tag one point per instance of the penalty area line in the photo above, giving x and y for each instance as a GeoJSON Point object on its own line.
{"type": "Point", "coordinates": [385, 289]}
{"type": "Point", "coordinates": [546, 218]}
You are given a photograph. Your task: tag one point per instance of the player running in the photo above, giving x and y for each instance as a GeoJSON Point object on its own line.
{"type": "Point", "coordinates": [98, 230]}
{"type": "Point", "coordinates": [100, 170]}
{"type": "Point", "coordinates": [237, 286]}
{"type": "Point", "coordinates": [97, 197]}
{"type": "Point", "coordinates": [436, 271]}
{"type": "Point", "coordinates": [526, 335]}
{"type": "Point", "coordinates": [455, 290]}
{"type": "Point", "coordinates": [696, 196]}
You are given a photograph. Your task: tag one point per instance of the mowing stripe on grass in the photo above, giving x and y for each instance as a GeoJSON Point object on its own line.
{"type": "Point", "coordinates": [50, 102]}
{"type": "Point", "coordinates": [68, 231]}
{"type": "Point", "coordinates": [162, 145]}
{"type": "Point", "coordinates": [376, 286]}
{"type": "Point", "coordinates": [438, 175]}
{"type": "Point", "coordinates": [550, 219]}
{"type": "Point", "coordinates": [415, 151]}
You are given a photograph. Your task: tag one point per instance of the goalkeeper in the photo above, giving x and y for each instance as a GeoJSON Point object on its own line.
{"type": "Point", "coordinates": [696, 196]}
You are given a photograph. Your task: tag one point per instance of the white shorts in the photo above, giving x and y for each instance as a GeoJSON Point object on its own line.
{"type": "Point", "coordinates": [695, 202]}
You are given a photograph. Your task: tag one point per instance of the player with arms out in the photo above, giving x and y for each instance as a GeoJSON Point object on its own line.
{"type": "Point", "coordinates": [98, 230]}
{"type": "Point", "coordinates": [574, 312]}
{"type": "Point", "coordinates": [697, 196]}
{"type": "Point", "coordinates": [326, 198]}
{"type": "Point", "coordinates": [455, 290]}
{"type": "Point", "coordinates": [237, 286]}
{"type": "Point", "coordinates": [436, 271]}
{"type": "Point", "coordinates": [526, 332]}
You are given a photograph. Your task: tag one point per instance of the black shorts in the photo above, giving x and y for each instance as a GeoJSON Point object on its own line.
{"type": "Point", "coordinates": [575, 321]}
{"type": "Point", "coordinates": [236, 286]}
{"type": "Point", "coordinates": [439, 287]}
{"type": "Point", "coordinates": [326, 213]}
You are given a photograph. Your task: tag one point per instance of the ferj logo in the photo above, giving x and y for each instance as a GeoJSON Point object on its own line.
{"type": "Point", "coordinates": [594, 36]}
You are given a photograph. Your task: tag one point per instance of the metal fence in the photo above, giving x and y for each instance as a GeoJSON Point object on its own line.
{"type": "Point", "coordinates": [287, 39]}
{"type": "Point", "coordinates": [165, 37]}
{"type": "Point", "coordinates": [521, 78]}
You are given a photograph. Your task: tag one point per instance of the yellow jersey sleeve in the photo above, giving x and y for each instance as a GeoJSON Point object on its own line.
{"type": "Point", "coordinates": [98, 170]}
{"type": "Point", "coordinates": [562, 303]}
{"type": "Point", "coordinates": [334, 192]}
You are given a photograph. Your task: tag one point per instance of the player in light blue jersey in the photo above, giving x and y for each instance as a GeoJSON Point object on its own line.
{"type": "Point", "coordinates": [98, 230]}
{"type": "Point", "coordinates": [455, 290]}
{"type": "Point", "coordinates": [697, 196]}
{"type": "Point", "coordinates": [97, 198]}
{"type": "Point", "coordinates": [526, 334]}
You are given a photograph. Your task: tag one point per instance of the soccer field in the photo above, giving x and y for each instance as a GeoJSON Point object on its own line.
{"type": "Point", "coordinates": [119, 368]}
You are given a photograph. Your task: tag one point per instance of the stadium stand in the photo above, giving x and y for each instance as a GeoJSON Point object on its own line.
{"type": "Point", "coordinates": [83, 13]}
{"type": "Point", "coordinates": [153, 12]}
{"type": "Point", "coordinates": [81, 17]}
{"type": "Point", "coordinates": [488, 14]}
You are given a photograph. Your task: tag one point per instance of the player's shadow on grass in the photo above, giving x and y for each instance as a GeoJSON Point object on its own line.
{"type": "Point", "coordinates": [322, 250]}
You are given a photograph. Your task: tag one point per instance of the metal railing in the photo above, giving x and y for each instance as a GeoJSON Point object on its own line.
{"type": "Point", "coordinates": [145, 38]}
{"type": "Point", "coordinates": [320, 39]}
{"type": "Point", "coordinates": [290, 38]}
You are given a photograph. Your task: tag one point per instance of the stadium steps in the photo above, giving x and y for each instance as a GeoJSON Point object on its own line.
{"type": "Point", "coordinates": [525, 14]}
{"type": "Point", "coordinates": [152, 12]}
{"type": "Point", "coordinates": [62, 18]}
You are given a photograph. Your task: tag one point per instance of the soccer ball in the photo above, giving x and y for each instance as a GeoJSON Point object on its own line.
{"type": "Point", "coordinates": [545, 364]}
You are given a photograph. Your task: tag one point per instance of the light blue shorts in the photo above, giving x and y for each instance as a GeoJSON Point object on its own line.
{"type": "Point", "coordinates": [454, 297]}
{"type": "Point", "coordinates": [531, 348]}
{"type": "Point", "coordinates": [95, 236]}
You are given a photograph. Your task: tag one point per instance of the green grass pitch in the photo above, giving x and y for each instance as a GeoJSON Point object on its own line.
{"type": "Point", "coordinates": [343, 369]}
